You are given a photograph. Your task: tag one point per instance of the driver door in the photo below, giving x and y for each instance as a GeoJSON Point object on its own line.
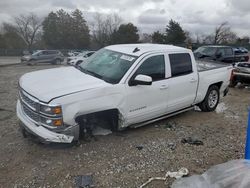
{"type": "Point", "coordinates": [145, 102]}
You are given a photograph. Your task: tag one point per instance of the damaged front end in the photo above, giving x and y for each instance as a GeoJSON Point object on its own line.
{"type": "Point", "coordinates": [44, 121]}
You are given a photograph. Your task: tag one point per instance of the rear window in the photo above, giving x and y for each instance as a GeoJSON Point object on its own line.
{"type": "Point", "coordinates": [52, 52]}
{"type": "Point", "coordinates": [181, 64]}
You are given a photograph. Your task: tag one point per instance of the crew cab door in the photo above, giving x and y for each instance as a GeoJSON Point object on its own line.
{"type": "Point", "coordinates": [183, 81]}
{"type": "Point", "coordinates": [144, 102]}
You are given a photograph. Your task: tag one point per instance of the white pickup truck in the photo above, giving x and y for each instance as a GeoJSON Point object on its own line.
{"type": "Point", "coordinates": [120, 86]}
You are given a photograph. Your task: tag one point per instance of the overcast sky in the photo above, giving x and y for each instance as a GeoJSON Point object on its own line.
{"type": "Point", "coordinates": [196, 16]}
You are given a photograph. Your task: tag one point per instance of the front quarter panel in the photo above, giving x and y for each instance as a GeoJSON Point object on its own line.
{"type": "Point", "coordinates": [90, 101]}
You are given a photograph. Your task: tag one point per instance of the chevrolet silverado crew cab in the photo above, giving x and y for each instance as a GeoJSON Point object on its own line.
{"type": "Point", "coordinates": [120, 86]}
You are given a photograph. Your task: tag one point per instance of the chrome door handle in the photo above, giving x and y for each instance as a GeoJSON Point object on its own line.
{"type": "Point", "coordinates": [193, 80]}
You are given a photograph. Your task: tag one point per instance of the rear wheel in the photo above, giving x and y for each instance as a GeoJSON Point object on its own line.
{"type": "Point", "coordinates": [211, 100]}
{"type": "Point", "coordinates": [57, 62]}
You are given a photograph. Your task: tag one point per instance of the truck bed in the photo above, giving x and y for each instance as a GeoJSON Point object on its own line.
{"type": "Point", "coordinates": [212, 72]}
{"type": "Point", "coordinates": [209, 65]}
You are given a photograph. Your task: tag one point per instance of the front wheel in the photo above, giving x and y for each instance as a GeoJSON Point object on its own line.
{"type": "Point", "coordinates": [211, 99]}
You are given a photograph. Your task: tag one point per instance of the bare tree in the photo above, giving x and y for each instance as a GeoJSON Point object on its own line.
{"type": "Point", "coordinates": [146, 38]}
{"type": "Point", "coordinates": [28, 27]}
{"type": "Point", "coordinates": [103, 28]}
{"type": "Point", "coordinates": [223, 34]}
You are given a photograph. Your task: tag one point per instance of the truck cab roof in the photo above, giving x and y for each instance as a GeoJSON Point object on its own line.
{"type": "Point", "coordinates": [139, 49]}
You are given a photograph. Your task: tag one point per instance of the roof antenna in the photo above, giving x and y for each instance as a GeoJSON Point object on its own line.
{"type": "Point", "coordinates": [136, 50]}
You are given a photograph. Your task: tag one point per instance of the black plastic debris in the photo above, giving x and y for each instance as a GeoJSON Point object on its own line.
{"type": "Point", "coordinates": [85, 181]}
{"type": "Point", "coordinates": [140, 147]}
{"type": "Point", "coordinates": [192, 141]}
{"type": "Point", "coordinates": [170, 125]}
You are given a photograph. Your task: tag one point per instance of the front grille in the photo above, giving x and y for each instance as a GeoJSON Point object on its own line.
{"type": "Point", "coordinates": [28, 101]}
{"type": "Point", "coordinates": [29, 106]}
{"type": "Point", "coordinates": [31, 114]}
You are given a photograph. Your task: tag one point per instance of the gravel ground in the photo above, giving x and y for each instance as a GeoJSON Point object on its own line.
{"type": "Point", "coordinates": [115, 160]}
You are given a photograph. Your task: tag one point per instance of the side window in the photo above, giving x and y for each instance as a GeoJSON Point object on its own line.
{"type": "Point", "coordinates": [44, 53]}
{"type": "Point", "coordinates": [181, 64]}
{"type": "Point", "coordinates": [221, 51]}
{"type": "Point", "coordinates": [228, 51]}
{"type": "Point", "coordinates": [154, 67]}
{"type": "Point", "coordinates": [53, 52]}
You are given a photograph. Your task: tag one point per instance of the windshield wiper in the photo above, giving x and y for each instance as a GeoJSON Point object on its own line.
{"type": "Point", "coordinates": [90, 73]}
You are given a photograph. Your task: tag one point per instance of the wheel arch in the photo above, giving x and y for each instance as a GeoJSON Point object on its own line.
{"type": "Point", "coordinates": [112, 113]}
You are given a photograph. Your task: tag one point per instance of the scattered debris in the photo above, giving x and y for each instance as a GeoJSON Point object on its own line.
{"type": "Point", "coordinates": [227, 175]}
{"type": "Point", "coordinates": [140, 147]}
{"type": "Point", "coordinates": [172, 145]}
{"type": "Point", "coordinates": [197, 108]}
{"type": "Point", "coordinates": [192, 141]}
{"type": "Point", "coordinates": [99, 131]}
{"type": "Point", "coordinates": [170, 125]}
{"type": "Point", "coordinates": [182, 172]}
{"type": "Point", "coordinates": [156, 126]}
{"type": "Point", "coordinates": [221, 108]}
{"type": "Point", "coordinates": [84, 181]}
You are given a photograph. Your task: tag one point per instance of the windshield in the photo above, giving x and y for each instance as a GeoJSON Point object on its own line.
{"type": "Point", "coordinates": [37, 52]}
{"type": "Point", "coordinates": [108, 65]}
{"type": "Point", "coordinates": [206, 50]}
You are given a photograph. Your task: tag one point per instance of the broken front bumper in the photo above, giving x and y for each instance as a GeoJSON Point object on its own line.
{"type": "Point", "coordinates": [41, 132]}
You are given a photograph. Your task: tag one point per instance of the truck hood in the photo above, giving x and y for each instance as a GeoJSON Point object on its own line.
{"type": "Point", "coordinates": [48, 84]}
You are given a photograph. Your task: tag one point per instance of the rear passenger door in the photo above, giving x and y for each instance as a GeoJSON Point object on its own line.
{"type": "Point", "coordinates": [44, 57]}
{"type": "Point", "coordinates": [182, 83]}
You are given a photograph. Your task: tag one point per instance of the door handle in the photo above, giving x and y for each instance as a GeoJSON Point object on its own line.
{"type": "Point", "coordinates": [193, 80]}
{"type": "Point", "coordinates": [163, 87]}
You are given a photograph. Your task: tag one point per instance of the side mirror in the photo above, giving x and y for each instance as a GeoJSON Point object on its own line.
{"type": "Point", "coordinates": [141, 79]}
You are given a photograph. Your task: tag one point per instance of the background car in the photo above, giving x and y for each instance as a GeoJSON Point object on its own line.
{"type": "Point", "coordinates": [225, 54]}
{"type": "Point", "coordinates": [240, 50]}
{"type": "Point", "coordinates": [44, 56]}
{"type": "Point", "coordinates": [74, 61]}
{"type": "Point", "coordinates": [240, 74]}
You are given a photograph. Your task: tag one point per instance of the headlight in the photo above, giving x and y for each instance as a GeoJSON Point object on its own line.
{"type": "Point", "coordinates": [51, 110]}
{"type": "Point", "coordinates": [55, 122]}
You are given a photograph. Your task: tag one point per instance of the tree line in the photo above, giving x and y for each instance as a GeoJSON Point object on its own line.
{"type": "Point", "coordinates": [64, 30]}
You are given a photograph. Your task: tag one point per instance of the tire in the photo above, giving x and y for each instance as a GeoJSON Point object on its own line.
{"type": "Point", "coordinates": [211, 100]}
{"type": "Point", "coordinates": [57, 62]}
{"type": "Point", "coordinates": [30, 62]}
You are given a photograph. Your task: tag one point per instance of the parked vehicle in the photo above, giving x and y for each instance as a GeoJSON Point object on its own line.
{"type": "Point", "coordinates": [120, 86]}
{"type": "Point", "coordinates": [75, 61]}
{"type": "Point", "coordinates": [43, 56]}
{"type": "Point", "coordinates": [225, 54]}
{"type": "Point", "coordinates": [240, 50]}
{"type": "Point", "coordinates": [241, 73]}
{"type": "Point", "coordinates": [74, 53]}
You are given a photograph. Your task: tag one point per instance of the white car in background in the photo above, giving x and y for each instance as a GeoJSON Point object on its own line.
{"type": "Point", "coordinates": [76, 60]}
